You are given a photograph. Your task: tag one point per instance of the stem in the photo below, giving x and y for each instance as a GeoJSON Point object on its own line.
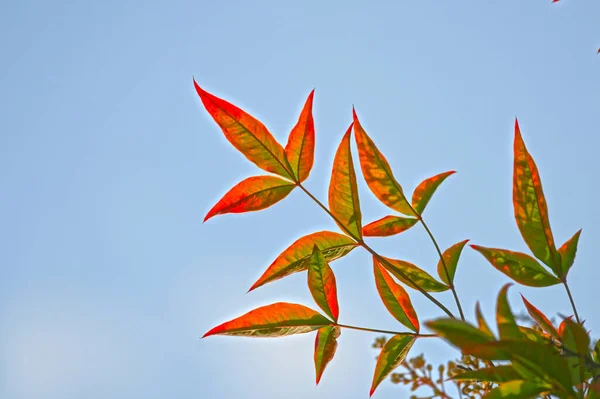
{"type": "Point", "coordinates": [387, 331]}
{"type": "Point", "coordinates": [437, 247]}
{"type": "Point", "coordinates": [572, 301]}
{"type": "Point", "coordinates": [375, 254]}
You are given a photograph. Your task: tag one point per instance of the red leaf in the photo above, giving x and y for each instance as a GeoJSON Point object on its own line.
{"type": "Point", "coordinates": [395, 298]}
{"type": "Point", "coordinates": [388, 226]}
{"type": "Point", "coordinates": [247, 134]}
{"type": "Point", "coordinates": [252, 194]}
{"type": "Point", "coordinates": [297, 256]}
{"type": "Point", "coordinates": [300, 148]}
{"type": "Point", "coordinates": [275, 320]}
{"type": "Point", "coordinates": [343, 191]}
{"type": "Point", "coordinates": [321, 283]}
{"type": "Point", "coordinates": [540, 319]}
{"type": "Point", "coordinates": [325, 347]}
{"type": "Point", "coordinates": [426, 189]}
{"type": "Point", "coordinates": [392, 355]}
{"type": "Point", "coordinates": [377, 172]}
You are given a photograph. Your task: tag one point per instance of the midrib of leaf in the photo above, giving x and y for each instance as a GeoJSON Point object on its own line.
{"type": "Point", "coordinates": [300, 152]}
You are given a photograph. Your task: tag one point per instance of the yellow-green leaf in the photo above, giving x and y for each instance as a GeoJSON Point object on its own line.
{"type": "Point", "coordinates": [518, 389]}
{"type": "Point", "coordinates": [325, 347]}
{"type": "Point", "coordinates": [388, 226]}
{"type": "Point", "coordinates": [567, 253]}
{"type": "Point", "coordinates": [426, 189]}
{"type": "Point", "coordinates": [321, 283]}
{"type": "Point", "coordinates": [391, 356]}
{"type": "Point", "coordinates": [519, 266]}
{"type": "Point", "coordinates": [407, 272]}
{"type": "Point", "coordinates": [507, 325]}
{"type": "Point", "coordinates": [378, 173]}
{"type": "Point", "coordinates": [450, 256]}
{"type": "Point", "coordinates": [531, 209]}
{"type": "Point", "coordinates": [343, 191]}
{"type": "Point", "coordinates": [395, 298]}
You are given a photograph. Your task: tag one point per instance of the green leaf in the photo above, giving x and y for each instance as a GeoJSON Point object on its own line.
{"type": "Point", "coordinates": [507, 325]}
{"type": "Point", "coordinates": [297, 256]}
{"type": "Point", "coordinates": [395, 298]}
{"type": "Point", "coordinates": [541, 319]}
{"type": "Point", "coordinates": [531, 210]}
{"type": "Point", "coordinates": [567, 253]}
{"type": "Point", "coordinates": [450, 256]}
{"type": "Point", "coordinates": [495, 374]}
{"type": "Point", "coordinates": [325, 347]}
{"type": "Point", "coordinates": [426, 189]}
{"type": "Point", "coordinates": [519, 266]}
{"type": "Point", "coordinates": [518, 389]}
{"type": "Point", "coordinates": [391, 356]}
{"type": "Point", "coordinates": [404, 271]}
{"type": "Point", "coordinates": [532, 335]}
{"type": "Point", "coordinates": [343, 191]}
{"type": "Point", "coordinates": [483, 326]}
{"type": "Point", "coordinates": [321, 283]}
{"type": "Point", "coordinates": [388, 226]}
{"type": "Point", "coordinates": [576, 339]}
{"type": "Point", "coordinates": [459, 333]}
{"type": "Point", "coordinates": [596, 353]}
{"type": "Point", "coordinates": [275, 320]}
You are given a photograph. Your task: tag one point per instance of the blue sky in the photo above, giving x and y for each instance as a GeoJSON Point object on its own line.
{"type": "Point", "coordinates": [108, 164]}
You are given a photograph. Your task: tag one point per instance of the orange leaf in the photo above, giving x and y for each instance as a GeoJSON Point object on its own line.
{"type": "Point", "coordinates": [325, 347]}
{"type": "Point", "coordinates": [343, 191]}
{"type": "Point", "coordinates": [426, 189]}
{"type": "Point", "coordinates": [567, 253]}
{"type": "Point", "coordinates": [404, 271]}
{"type": "Point", "coordinates": [247, 134]}
{"type": "Point", "coordinates": [297, 256]}
{"type": "Point", "coordinates": [252, 194]}
{"type": "Point", "coordinates": [392, 355]}
{"type": "Point", "coordinates": [450, 256]}
{"type": "Point", "coordinates": [321, 283]}
{"type": "Point", "coordinates": [300, 148]}
{"type": "Point", "coordinates": [540, 319]}
{"type": "Point", "coordinates": [377, 172]}
{"type": "Point", "coordinates": [388, 226]}
{"type": "Point", "coordinates": [275, 320]}
{"type": "Point", "coordinates": [531, 209]}
{"type": "Point", "coordinates": [395, 298]}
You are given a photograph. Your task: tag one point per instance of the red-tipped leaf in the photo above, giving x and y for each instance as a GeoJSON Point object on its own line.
{"type": "Point", "coordinates": [300, 148]}
{"type": "Point", "coordinates": [407, 272]}
{"type": "Point", "coordinates": [450, 256]}
{"type": "Point", "coordinates": [321, 283]}
{"type": "Point", "coordinates": [392, 355]}
{"type": "Point", "coordinates": [388, 226]}
{"type": "Point", "coordinates": [325, 347]}
{"type": "Point", "coordinates": [426, 189]}
{"type": "Point", "coordinates": [567, 253]}
{"type": "Point", "coordinates": [541, 319]}
{"type": "Point", "coordinates": [395, 298]}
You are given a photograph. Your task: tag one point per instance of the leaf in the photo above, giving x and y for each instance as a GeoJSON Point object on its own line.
{"type": "Point", "coordinates": [562, 325]}
{"type": "Point", "coordinates": [517, 389]}
{"type": "Point", "coordinates": [519, 266]}
{"type": "Point", "coordinates": [395, 298]}
{"type": "Point", "coordinates": [392, 355]}
{"type": "Point", "coordinates": [404, 271]}
{"type": "Point", "coordinates": [426, 189]}
{"type": "Point", "coordinates": [567, 253]}
{"type": "Point", "coordinates": [321, 283]}
{"type": "Point", "coordinates": [378, 173]}
{"type": "Point", "coordinates": [300, 148]}
{"type": "Point", "coordinates": [541, 319]}
{"type": "Point", "coordinates": [507, 325]}
{"type": "Point", "coordinates": [575, 339]}
{"type": "Point", "coordinates": [297, 256]}
{"type": "Point", "coordinates": [483, 326]}
{"type": "Point", "coordinates": [596, 353]}
{"type": "Point", "coordinates": [325, 347]}
{"type": "Point", "coordinates": [532, 335]}
{"type": "Point", "coordinates": [252, 194]}
{"type": "Point", "coordinates": [531, 210]}
{"type": "Point", "coordinates": [450, 256]}
{"type": "Point", "coordinates": [491, 374]}
{"type": "Point", "coordinates": [459, 333]}
{"type": "Point", "coordinates": [247, 134]}
{"type": "Point", "coordinates": [275, 320]}
{"type": "Point", "coordinates": [388, 226]}
{"type": "Point", "coordinates": [343, 191]}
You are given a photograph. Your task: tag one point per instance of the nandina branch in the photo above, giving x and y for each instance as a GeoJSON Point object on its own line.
{"type": "Point", "coordinates": [387, 331]}
{"type": "Point", "coordinates": [572, 301]}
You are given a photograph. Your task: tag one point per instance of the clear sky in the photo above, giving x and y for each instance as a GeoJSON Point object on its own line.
{"type": "Point", "coordinates": [108, 164]}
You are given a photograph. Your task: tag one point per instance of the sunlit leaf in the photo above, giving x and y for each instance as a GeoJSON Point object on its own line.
{"type": "Point", "coordinates": [325, 347]}
{"type": "Point", "coordinates": [562, 325]}
{"type": "Point", "coordinates": [392, 355]}
{"type": "Point", "coordinates": [507, 325]}
{"type": "Point", "coordinates": [275, 320]}
{"type": "Point", "coordinates": [531, 210]}
{"type": "Point", "coordinates": [541, 319]}
{"type": "Point", "coordinates": [247, 134]}
{"type": "Point", "coordinates": [450, 256]}
{"type": "Point", "coordinates": [300, 148]}
{"type": "Point", "coordinates": [343, 191]}
{"type": "Point", "coordinates": [483, 326]}
{"type": "Point", "coordinates": [297, 256]}
{"type": "Point", "coordinates": [491, 374]}
{"type": "Point", "coordinates": [567, 253]}
{"type": "Point", "coordinates": [321, 283]}
{"type": "Point", "coordinates": [377, 172]}
{"type": "Point", "coordinates": [426, 189]}
{"type": "Point", "coordinates": [252, 194]}
{"type": "Point", "coordinates": [404, 271]}
{"type": "Point", "coordinates": [518, 389]}
{"type": "Point", "coordinates": [519, 266]}
{"type": "Point", "coordinates": [388, 226]}
{"type": "Point", "coordinates": [395, 298]}
{"type": "Point", "coordinates": [459, 333]}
